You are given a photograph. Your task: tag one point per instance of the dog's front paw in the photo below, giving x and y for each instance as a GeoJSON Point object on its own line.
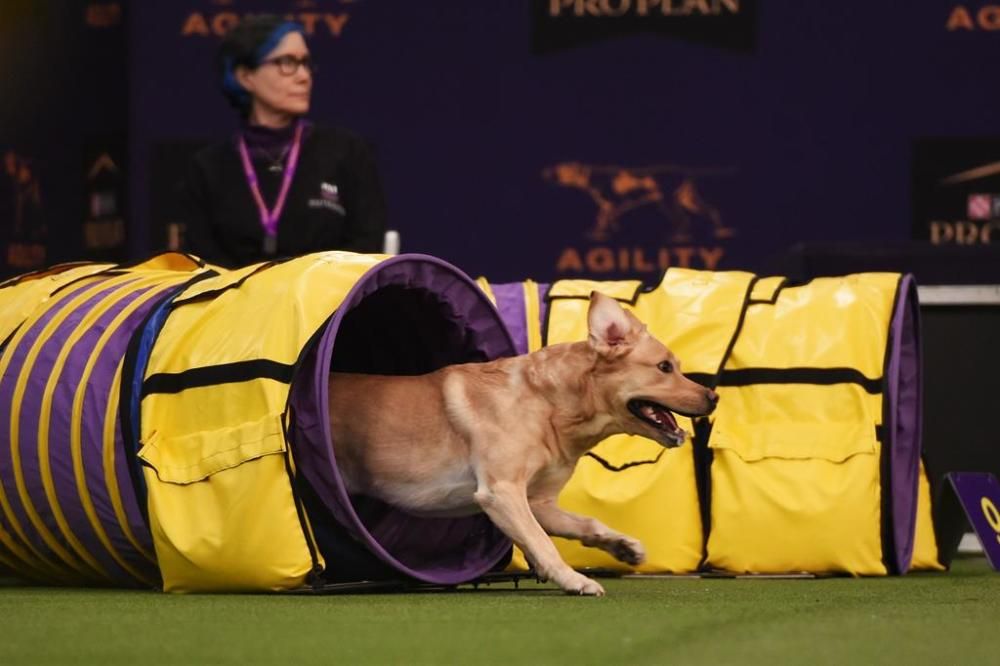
{"type": "Point", "coordinates": [628, 550]}
{"type": "Point", "coordinates": [581, 585]}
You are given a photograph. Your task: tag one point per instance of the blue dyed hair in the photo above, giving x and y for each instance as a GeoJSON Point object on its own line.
{"type": "Point", "coordinates": [247, 45]}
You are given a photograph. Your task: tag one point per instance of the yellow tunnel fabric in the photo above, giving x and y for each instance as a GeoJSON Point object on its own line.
{"type": "Point", "coordinates": [789, 473]}
{"type": "Point", "coordinates": [795, 475]}
{"type": "Point", "coordinates": [222, 507]}
{"type": "Point", "coordinates": [633, 484]}
{"type": "Point", "coordinates": [20, 296]}
{"type": "Point", "coordinates": [63, 515]}
{"type": "Point", "coordinates": [925, 547]}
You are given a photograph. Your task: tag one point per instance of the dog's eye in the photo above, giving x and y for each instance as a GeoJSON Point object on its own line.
{"type": "Point", "coordinates": [666, 366]}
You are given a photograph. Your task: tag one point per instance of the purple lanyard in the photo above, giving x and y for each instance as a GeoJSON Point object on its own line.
{"type": "Point", "coordinates": [269, 218]}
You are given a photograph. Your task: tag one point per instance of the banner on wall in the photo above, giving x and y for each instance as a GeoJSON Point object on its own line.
{"type": "Point", "coordinates": [642, 219]}
{"type": "Point", "coordinates": [561, 24]}
{"type": "Point", "coordinates": [514, 140]}
{"type": "Point", "coordinates": [320, 18]}
{"type": "Point", "coordinates": [964, 17]}
{"type": "Point", "coordinates": [956, 190]}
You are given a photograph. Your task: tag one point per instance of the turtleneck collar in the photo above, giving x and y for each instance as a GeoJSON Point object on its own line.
{"type": "Point", "coordinates": [258, 134]}
{"type": "Point", "coordinates": [270, 142]}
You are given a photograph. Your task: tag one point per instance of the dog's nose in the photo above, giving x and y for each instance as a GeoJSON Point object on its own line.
{"type": "Point", "coordinates": [712, 397]}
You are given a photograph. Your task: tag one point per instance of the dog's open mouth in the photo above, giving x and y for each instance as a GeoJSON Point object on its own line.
{"type": "Point", "coordinates": [660, 418]}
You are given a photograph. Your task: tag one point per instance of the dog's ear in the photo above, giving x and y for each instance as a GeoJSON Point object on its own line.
{"type": "Point", "coordinates": [608, 324]}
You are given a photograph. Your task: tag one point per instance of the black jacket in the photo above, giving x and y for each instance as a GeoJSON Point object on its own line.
{"type": "Point", "coordinates": [334, 203]}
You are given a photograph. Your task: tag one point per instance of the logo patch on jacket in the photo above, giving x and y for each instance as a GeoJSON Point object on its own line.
{"type": "Point", "coordinates": [329, 198]}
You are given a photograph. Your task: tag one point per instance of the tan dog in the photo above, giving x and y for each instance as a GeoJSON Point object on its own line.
{"type": "Point", "coordinates": [504, 437]}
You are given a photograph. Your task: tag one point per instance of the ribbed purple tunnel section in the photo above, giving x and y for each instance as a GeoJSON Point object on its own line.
{"type": "Point", "coordinates": [101, 537]}
{"type": "Point", "coordinates": [408, 315]}
{"type": "Point", "coordinates": [17, 522]}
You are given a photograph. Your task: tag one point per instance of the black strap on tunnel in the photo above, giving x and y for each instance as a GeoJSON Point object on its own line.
{"type": "Point", "coordinates": [701, 454]}
{"type": "Point", "coordinates": [714, 380]}
{"type": "Point", "coordinates": [703, 457]}
{"type": "Point", "coordinates": [215, 293]}
{"type": "Point", "coordinates": [817, 376]}
{"type": "Point", "coordinates": [619, 468]}
{"type": "Point", "coordinates": [129, 424]}
{"type": "Point", "coordinates": [212, 375]}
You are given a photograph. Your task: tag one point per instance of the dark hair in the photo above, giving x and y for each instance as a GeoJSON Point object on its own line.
{"type": "Point", "coordinates": [245, 46]}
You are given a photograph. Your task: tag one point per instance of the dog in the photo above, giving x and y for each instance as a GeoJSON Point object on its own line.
{"type": "Point", "coordinates": [503, 437]}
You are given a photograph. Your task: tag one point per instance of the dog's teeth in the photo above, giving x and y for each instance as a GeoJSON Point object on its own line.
{"type": "Point", "coordinates": [652, 414]}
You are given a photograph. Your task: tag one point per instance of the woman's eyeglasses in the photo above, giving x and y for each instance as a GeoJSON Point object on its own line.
{"type": "Point", "coordinates": [289, 64]}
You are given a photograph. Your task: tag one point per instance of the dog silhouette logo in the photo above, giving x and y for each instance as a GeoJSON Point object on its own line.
{"type": "Point", "coordinates": [672, 190]}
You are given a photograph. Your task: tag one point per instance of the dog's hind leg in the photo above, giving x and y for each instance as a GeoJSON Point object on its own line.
{"type": "Point", "coordinates": [506, 504]}
{"type": "Point", "coordinates": [588, 531]}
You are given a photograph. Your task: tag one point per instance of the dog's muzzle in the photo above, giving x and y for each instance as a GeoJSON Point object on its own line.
{"type": "Point", "coordinates": [660, 418]}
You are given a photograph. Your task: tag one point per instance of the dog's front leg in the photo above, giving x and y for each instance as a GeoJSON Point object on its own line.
{"type": "Point", "coordinates": [588, 531]}
{"type": "Point", "coordinates": [507, 506]}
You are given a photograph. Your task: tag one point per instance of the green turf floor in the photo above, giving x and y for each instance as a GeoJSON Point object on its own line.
{"type": "Point", "coordinates": [938, 619]}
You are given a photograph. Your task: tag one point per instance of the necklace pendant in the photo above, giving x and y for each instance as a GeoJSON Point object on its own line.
{"type": "Point", "coordinates": [277, 167]}
{"type": "Point", "coordinates": [270, 245]}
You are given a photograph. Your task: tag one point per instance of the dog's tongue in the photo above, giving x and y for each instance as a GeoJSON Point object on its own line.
{"type": "Point", "coordinates": [661, 416]}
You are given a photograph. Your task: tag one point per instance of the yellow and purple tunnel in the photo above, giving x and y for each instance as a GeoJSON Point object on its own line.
{"type": "Point", "coordinates": [811, 461]}
{"type": "Point", "coordinates": [70, 513]}
{"type": "Point", "coordinates": [164, 424]}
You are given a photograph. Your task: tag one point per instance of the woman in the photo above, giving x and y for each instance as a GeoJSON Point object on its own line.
{"type": "Point", "coordinates": [282, 186]}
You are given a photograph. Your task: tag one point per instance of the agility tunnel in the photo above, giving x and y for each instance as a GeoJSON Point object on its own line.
{"type": "Point", "coordinates": [811, 463]}
{"type": "Point", "coordinates": [165, 424]}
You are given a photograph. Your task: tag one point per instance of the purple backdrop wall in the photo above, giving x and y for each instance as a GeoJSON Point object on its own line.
{"type": "Point", "coordinates": [63, 114]}
{"type": "Point", "coordinates": [717, 142]}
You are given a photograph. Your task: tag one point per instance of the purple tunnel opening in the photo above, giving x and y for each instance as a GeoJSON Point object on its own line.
{"type": "Point", "coordinates": [408, 315]}
{"type": "Point", "coordinates": [903, 431]}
